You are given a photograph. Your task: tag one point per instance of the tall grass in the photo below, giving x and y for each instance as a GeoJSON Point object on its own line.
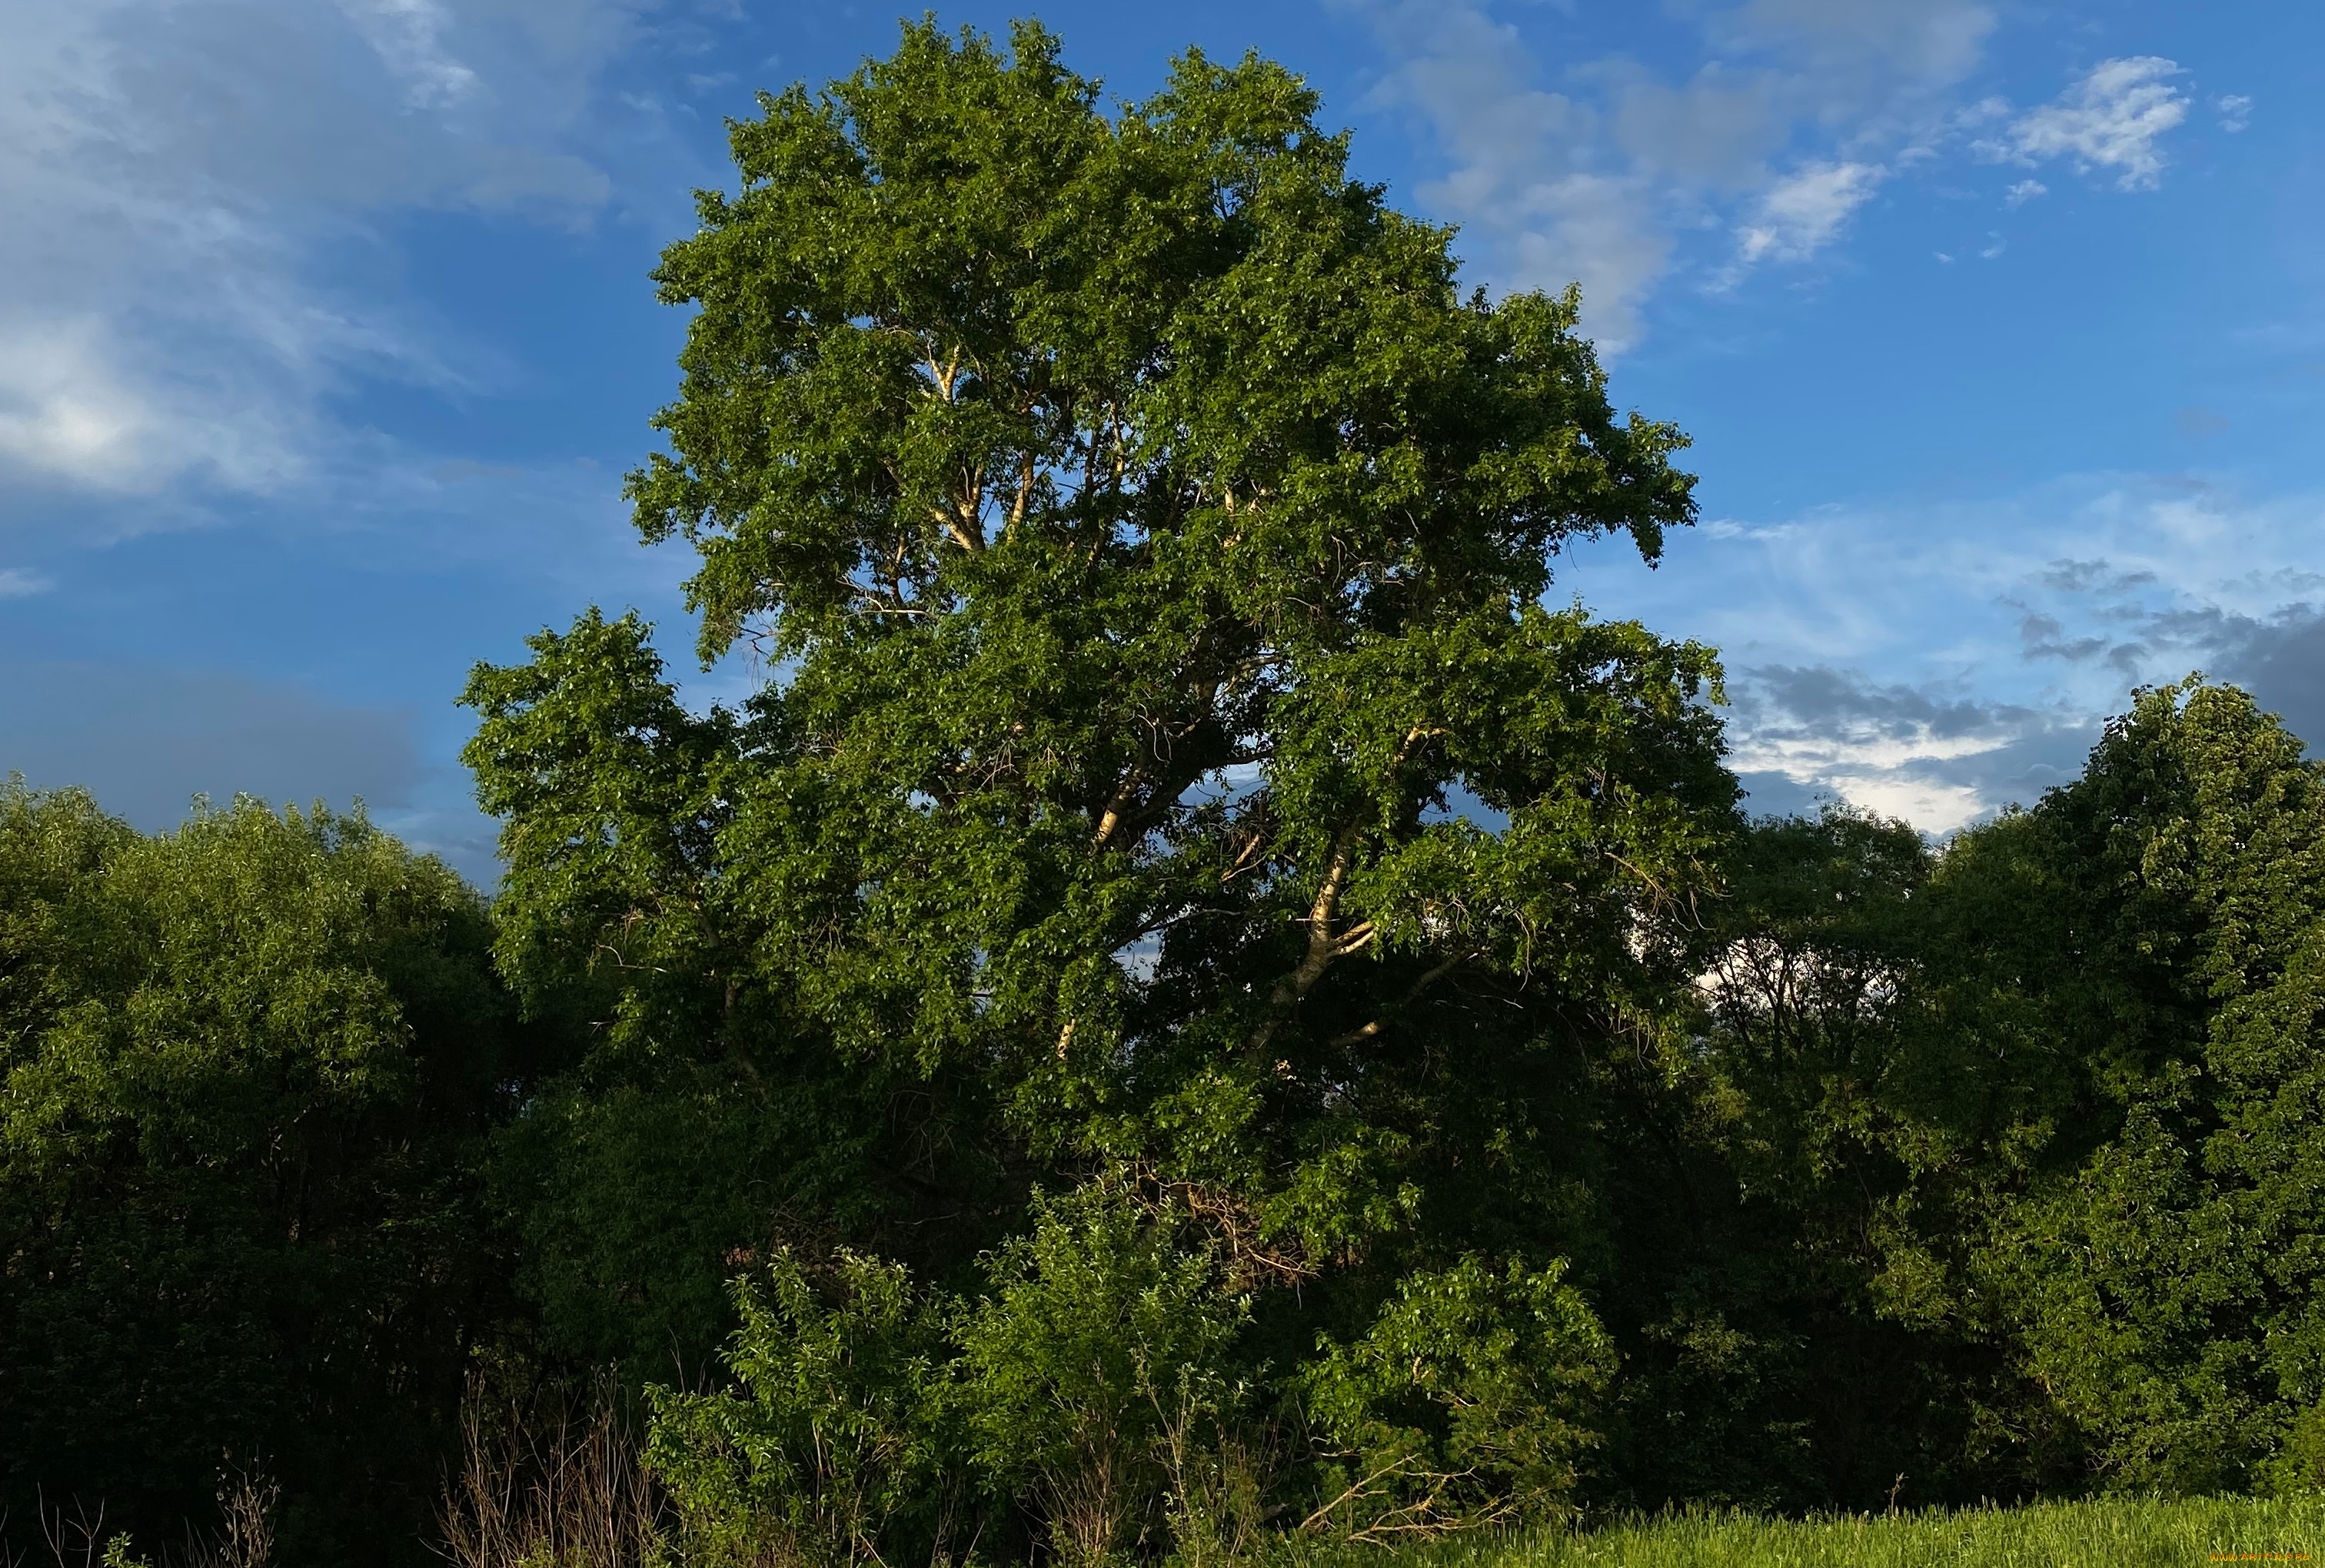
{"type": "Point", "coordinates": [561, 1486]}
{"type": "Point", "coordinates": [2113, 1533]}
{"type": "Point", "coordinates": [244, 1539]}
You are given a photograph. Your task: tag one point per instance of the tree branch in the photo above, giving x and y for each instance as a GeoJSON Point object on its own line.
{"type": "Point", "coordinates": [1024, 493]}
{"type": "Point", "coordinates": [970, 539]}
{"type": "Point", "coordinates": [1112, 817]}
{"type": "Point", "coordinates": [1325, 946]}
{"type": "Point", "coordinates": [1412, 993]}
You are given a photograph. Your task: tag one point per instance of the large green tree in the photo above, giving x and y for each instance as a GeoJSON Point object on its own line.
{"type": "Point", "coordinates": [1166, 762]}
{"type": "Point", "coordinates": [243, 1070]}
{"type": "Point", "coordinates": [1148, 542]}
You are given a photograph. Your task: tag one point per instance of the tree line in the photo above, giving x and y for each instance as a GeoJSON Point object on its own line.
{"type": "Point", "coordinates": [1190, 1004]}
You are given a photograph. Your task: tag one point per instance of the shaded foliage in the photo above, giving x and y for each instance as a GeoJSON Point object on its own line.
{"type": "Point", "coordinates": [1190, 1000]}
{"type": "Point", "coordinates": [245, 1064]}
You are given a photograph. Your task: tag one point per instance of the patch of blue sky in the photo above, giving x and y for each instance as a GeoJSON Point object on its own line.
{"type": "Point", "coordinates": [325, 339]}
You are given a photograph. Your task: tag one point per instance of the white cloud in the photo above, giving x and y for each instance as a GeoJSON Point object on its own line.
{"type": "Point", "coordinates": [192, 266]}
{"type": "Point", "coordinates": [19, 583]}
{"type": "Point", "coordinates": [1802, 213]}
{"type": "Point", "coordinates": [2113, 119]}
{"type": "Point", "coordinates": [1930, 805]}
{"type": "Point", "coordinates": [1718, 128]}
{"type": "Point", "coordinates": [408, 37]}
{"type": "Point", "coordinates": [1856, 636]}
{"type": "Point", "coordinates": [1530, 176]}
{"type": "Point", "coordinates": [2023, 191]}
{"type": "Point", "coordinates": [1799, 110]}
{"type": "Point", "coordinates": [1927, 42]}
{"type": "Point", "coordinates": [2235, 111]}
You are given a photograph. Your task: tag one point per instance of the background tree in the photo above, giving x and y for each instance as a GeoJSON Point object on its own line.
{"type": "Point", "coordinates": [2035, 1123]}
{"type": "Point", "coordinates": [2127, 1089]}
{"type": "Point", "coordinates": [243, 1067]}
{"type": "Point", "coordinates": [1782, 1354]}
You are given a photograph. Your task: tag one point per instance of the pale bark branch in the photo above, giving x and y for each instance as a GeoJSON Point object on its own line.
{"type": "Point", "coordinates": [1254, 845]}
{"type": "Point", "coordinates": [1024, 493]}
{"type": "Point", "coordinates": [1325, 946]}
{"type": "Point", "coordinates": [1111, 819]}
{"type": "Point", "coordinates": [971, 539]}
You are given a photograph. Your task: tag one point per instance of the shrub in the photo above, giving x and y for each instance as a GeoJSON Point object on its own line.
{"type": "Point", "coordinates": [836, 1445]}
{"type": "Point", "coordinates": [1466, 1403]}
{"type": "Point", "coordinates": [1092, 1363]}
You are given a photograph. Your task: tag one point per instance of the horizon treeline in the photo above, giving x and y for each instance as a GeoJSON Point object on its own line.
{"type": "Point", "coordinates": [1189, 1006]}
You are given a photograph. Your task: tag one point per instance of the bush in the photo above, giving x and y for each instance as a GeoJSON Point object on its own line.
{"type": "Point", "coordinates": [836, 1445]}
{"type": "Point", "coordinates": [1467, 1403]}
{"type": "Point", "coordinates": [1092, 1363]}
{"type": "Point", "coordinates": [244, 1067]}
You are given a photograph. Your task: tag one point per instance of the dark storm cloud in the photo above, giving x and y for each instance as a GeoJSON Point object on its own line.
{"type": "Point", "coordinates": [2279, 656]}
{"type": "Point", "coordinates": [1821, 701]}
{"type": "Point", "coordinates": [2093, 576]}
{"type": "Point", "coordinates": [144, 739]}
{"type": "Point", "coordinates": [2045, 637]}
{"type": "Point", "coordinates": [2282, 662]}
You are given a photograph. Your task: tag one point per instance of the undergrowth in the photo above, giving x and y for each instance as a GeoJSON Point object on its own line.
{"type": "Point", "coordinates": [2112, 1533]}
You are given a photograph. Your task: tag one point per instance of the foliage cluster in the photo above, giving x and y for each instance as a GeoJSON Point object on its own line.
{"type": "Point", "coordinates": [1189, 1008]}
{"type": "Point", "coordinates": [247, 1067]}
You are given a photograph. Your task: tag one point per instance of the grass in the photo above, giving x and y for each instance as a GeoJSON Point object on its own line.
{"type": "Point", "coordinates": [2118, 1532]}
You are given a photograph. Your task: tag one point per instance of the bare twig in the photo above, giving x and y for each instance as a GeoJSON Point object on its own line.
{"type": "Point", "coordinates": [558, 1488]}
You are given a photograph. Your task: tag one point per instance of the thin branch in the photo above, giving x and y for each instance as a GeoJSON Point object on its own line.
{"type": "Point", "coordinates": [1412, 995]}
{"type": "Point", "coordinates": [1324, 945]}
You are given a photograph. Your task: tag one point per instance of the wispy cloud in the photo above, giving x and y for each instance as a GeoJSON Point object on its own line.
{"type": "Point", "coordinates": [1938, 661]}
{"type": "Point", "coordinates": [408, 37]}
{"type": "Point", "coordinates": [1865, 54]}
{"type": "Point", "coordinates": [1927, 753]}
{"type": "Point", "coordinates": [2235, 110]}
{"type": "Point", "coordinates": [2113, 119]}
{"type": "Point", "coordinates": [1607, 172]}
{"type": "Point", "coordinates": [196, 192]}
{"type": "Point", "coordinates": [1531, 175]}
{"type": "Point", "coordinates": [20, 583]}
{"type": "Point", "coordinates": [1604, 171]}
{"type": "Point", "coordinates": [1801, 213]}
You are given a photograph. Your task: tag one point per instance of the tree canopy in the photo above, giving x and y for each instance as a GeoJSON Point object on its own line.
{"type": "Point", "coordinates": [1192, 996]}
{"type": "Point", "coordinates": [1167, 756]}
{"type": "Point", "coordinates": [242, 1068]}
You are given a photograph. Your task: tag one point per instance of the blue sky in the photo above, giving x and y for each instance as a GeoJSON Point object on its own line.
{"type": "Point", "coordinates": [325, 339]}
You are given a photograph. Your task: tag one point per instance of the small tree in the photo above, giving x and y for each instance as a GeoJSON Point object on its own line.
{"type": "Point", "coordinates": [836, 1438]}
{"type": "Point", "coordinates": [1467, 1403]}
{"type": "Point", "coordinates": [1098, 1347]}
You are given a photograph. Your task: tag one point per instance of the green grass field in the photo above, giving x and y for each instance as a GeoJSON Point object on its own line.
{"type": "Point", "coordinates": [2123, 1532]}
